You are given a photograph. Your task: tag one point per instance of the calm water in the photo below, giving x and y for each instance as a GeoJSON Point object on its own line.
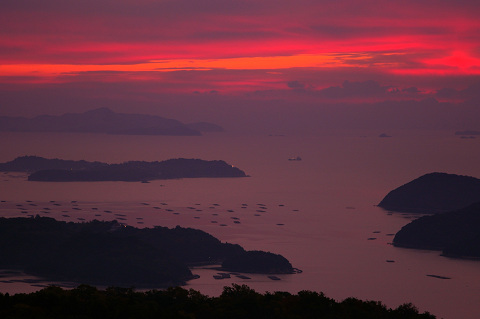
{"type": "Point", "coordinates": [320, 211]}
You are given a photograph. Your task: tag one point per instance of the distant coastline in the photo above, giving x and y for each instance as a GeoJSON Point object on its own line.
{"type": "Point", "coordinates": [104, 120]}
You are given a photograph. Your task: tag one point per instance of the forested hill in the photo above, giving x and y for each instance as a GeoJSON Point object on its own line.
{"type": "Point", "coordinates": [456, 234]}
{"type": "Point", "coordinates": [433, 193]}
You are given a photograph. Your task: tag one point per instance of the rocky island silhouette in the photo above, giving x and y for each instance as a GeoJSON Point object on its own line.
{"type": "Point", "coordinates": [452, 205]}
{"type": "Point", "coordinates": [456, 233]}
{"type": "Point", "coordinates": [433, 193]}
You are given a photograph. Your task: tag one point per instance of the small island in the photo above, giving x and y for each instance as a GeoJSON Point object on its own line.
{"type": "Point", "coordinates": [433, 193]}
{"type": "Point", "coordinates": [110, 253]}
{"type": "Point", "coordinates": [456, 233]}
{"type": "Point", "coordinates": [58, 170]}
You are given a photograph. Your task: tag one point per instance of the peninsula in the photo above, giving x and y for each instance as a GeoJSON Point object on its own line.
{"type": "Point", "coordinates": [104, 120]}
{"type": "Point", "coordinates": [433, 193]}
{"type": "Point", "coordinates": [109, 253]}
{"type": "Point", "coordinates": [456, 233]}
{"type": "Point", "coordinates": [58, 170]}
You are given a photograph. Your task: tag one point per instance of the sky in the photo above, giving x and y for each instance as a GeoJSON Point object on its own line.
{"type": "Point", "coordinates": [279, 65]}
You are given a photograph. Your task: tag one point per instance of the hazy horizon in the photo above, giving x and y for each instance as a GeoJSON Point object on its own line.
{"type": "Point", "coordinates": [269, 66]}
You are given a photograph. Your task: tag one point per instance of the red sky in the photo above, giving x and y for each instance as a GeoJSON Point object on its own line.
{"type": "Point", "coordinates": [303, 51]}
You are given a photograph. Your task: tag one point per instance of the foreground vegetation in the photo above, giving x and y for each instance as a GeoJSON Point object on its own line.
{"type": "Point", "coordinates": [235, 302]}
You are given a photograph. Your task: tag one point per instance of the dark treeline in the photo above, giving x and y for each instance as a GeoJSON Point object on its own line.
{"type": "Point", "coordinates": [235, 302]}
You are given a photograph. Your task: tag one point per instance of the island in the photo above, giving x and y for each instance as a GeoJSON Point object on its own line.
{"type": "Point", "coordinates": [433, 193]}
{"type": "Point", "coordinates": [58, 170]}
{"type": "Point", "coordinates": [104, 120]}
{"type": "Point", "coordinates": [110, 253]}
{"type": "Point", "coordinates": [456, 233]}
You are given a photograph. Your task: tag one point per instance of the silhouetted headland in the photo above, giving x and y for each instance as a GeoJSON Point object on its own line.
{"type": "Point", "coordinates": [58, 170]}
{"type": "Point", "coordinates": [258, 262]}
{"type": "Point", "coordinates": [456, 233]}
{"type": "Point", "coordinates": [433, 193]}
{"type": "Point", "coordinates": [109, 253]}
{"type": "Point", "coordinates": [104, 120]}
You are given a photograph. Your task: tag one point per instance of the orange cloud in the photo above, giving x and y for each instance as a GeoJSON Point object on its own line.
{"type": "Point", "coordinates": [246, 63]}
{"type": "Point", "coordinates": [277, 40]}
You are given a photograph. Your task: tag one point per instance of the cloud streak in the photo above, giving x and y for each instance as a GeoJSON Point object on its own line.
{"type": "Point", "coordinates": [208, 28]}
{"type": "Point", "coordinates": [305, 51]}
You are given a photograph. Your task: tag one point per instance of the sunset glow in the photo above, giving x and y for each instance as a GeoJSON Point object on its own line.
{"type": "Point", "coordinates": [284, 122]}
{"type": "Point", "coordinates": [242, 47]}
{"type": "Point", "coordinates": [247, 63]}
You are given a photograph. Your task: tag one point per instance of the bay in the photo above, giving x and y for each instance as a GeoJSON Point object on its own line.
{"type": "Point", "coordinates": [319, 212]}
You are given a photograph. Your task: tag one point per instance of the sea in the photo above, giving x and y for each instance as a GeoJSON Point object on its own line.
{"type": "Point", "coordinates": [319, 212]}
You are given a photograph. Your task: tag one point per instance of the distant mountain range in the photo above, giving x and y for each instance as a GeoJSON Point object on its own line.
{"type": "Point", "coordinates": [104, 120]}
